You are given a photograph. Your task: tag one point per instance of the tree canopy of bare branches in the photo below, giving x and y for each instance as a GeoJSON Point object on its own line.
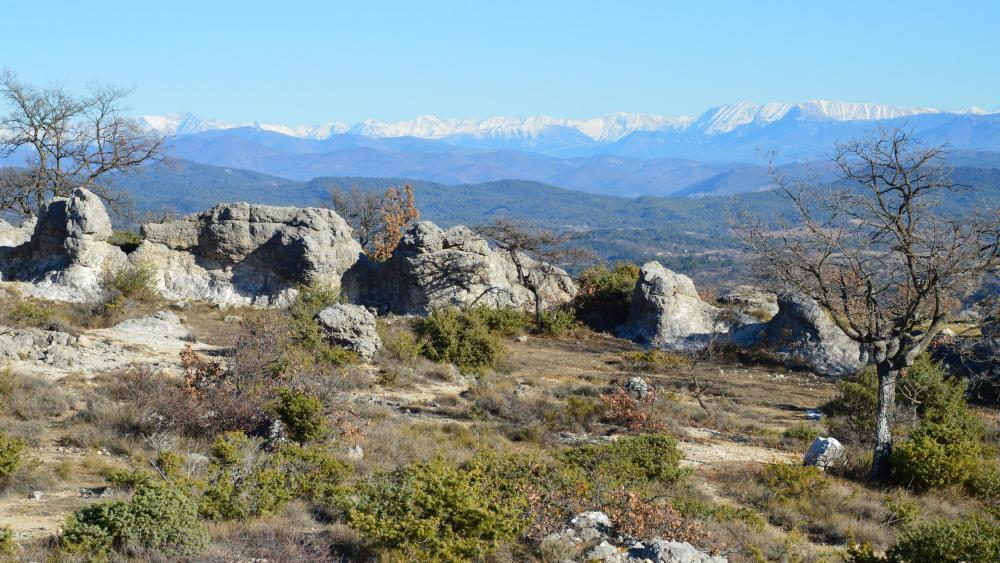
{"type": "Point", "coordinates": [877, 254]}
{"type": "Point", "coordinates": [67, 142]}
{"type": "Point", "coordinates": [378, 219]}
{"type": "Point", "coordinates": [547, 247]}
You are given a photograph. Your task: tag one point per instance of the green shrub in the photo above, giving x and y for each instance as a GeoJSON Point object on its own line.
{"type": "Point", "coordinates": [902, 511]}
{"type": "Point", "coordinates": [301, 413]}
{"type": "Point", "coordinates": [10, 456]}
{"type": "Point", "coordinates": [130, 283]}
{"type": "Point", "coordinates": [557, 322]}
{"type": "Point", "coordinates": [654, 360]}
{"type": "Point", "coordinates": [630, 461]}
{"type": "Point", "coordinates": [29, 313]}
{"type": "Point", "coordinates": [976, 538]}
{"type": "Point", "coordinates": [434, 511]}
{"type": "Point", "coordinates": [794, 481]}
{"type": "Point", "coordinates": [506, 322]}
{"type": "Point", "coordinates": [604, 295]}
{"type": "Point", "coordinates": [460, 338]}
{"type": "Point", "coordinates": [156, 517]}
{"type": "Point", "coordinates": [985, 481]}
{"type": "Point", "coordinates": [125, 240]}
{"type": "Point", "coordinates": [402, 347]}
{"type": "Point", "coordinates": [8, 545]}
{"type": "Point", "coordinates": [306, 334]}
{"type": "Point", "coordinates": [244, 482]}
{"type": "Point", "coordinates": [801, 432]}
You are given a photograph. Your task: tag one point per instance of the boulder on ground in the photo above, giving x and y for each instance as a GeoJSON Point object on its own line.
{"type": "Point", "coordinates": [667, 312]}
{"type": "Point", "coordinates": [352, 327]}
{"type": "Point", "coordinates": [247, 254]}
{"type": "Point", "coordinates": [68, 255]}
{"type": "Point", "coordinates": [435, 267]}
{"type": "Point", "coordinates": [802, 335]}
{"type": "Point", "coordinates": [594, 533]}
{"type": "Point", "coordinates": [824, 453]}
{"type": "Point", "coordinates": [637, 387]}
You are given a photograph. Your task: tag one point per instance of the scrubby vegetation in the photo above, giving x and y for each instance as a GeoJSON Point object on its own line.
{"type": "Point", "coordinates": [604, 294]}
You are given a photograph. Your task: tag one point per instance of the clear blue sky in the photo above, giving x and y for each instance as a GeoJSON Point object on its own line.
{"type": "Point", "coordinates": [299, 62]}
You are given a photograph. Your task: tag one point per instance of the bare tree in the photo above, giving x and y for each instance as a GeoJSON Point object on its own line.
{"type": "Point", "coordinates": [535, 252]}
{"type": "Point", "coordinates": [362, 210]}
{"type": "Point", "coordinates": [378, 219]}
{"type": "Point", "coordinates": [877, 252]}
{"type": "Point", "coordinates": [67, 142]}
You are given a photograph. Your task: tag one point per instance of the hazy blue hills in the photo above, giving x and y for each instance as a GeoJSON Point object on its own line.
{"type": "Point", "coordinates": [707, 157]}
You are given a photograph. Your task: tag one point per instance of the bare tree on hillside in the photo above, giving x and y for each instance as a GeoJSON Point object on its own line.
{"type": "Point", "coordinates": [545, 247]}
{"type": "Point", "coordinates": [68, 142]}
{"type": "Point", "coordinates": [879, 255]}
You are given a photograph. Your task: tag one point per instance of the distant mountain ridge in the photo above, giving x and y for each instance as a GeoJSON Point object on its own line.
{"type": "Point", "coordinates": [603, 129]}
{"type": "Point", "coordinates": [726, 150]}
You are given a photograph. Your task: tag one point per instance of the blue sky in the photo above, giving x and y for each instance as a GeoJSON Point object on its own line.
{"type": "Point", "coordinates": [297, 62]}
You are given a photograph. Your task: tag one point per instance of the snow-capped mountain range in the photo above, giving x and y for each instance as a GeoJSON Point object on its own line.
{"type": "Point", "coordinates": [606, 129]}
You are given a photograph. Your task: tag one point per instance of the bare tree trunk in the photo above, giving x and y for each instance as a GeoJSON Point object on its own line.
{"type": "Point", "coordinates": [884, 415]}
{"type": "Point", "coordinates": [538, 307]}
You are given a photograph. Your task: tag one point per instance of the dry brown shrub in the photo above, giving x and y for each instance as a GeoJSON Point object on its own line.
{"type": "Point", "coordinates": [637, 415]}
{"type": "Point", "coordinates": [638, 518]}
{"type": "Point", "coordinates": [398, 211]}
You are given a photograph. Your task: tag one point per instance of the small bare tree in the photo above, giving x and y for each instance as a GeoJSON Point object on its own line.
{"type": "Point", "coordinates": [526, 243]}
{"type": "Point", "coordinates": [68, 142]}
{"type": "Point", "coordinates": [378, 219]}
{"type": "Point", "coordinates": [879, 255]}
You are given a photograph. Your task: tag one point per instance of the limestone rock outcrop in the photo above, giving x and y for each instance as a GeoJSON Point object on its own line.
{"type": "Point", "coordinates": [750, 300]}
{"type": "Point", "coordinates": [434, 267]}
{"type": "Point", "coordinates": [352, 327]}
{"type": "Point", "coordinates": [666, 312]}
{"type": "Point", "coordinates": [802, 335]}
{"type": "Point", "coordinates": [247, 254]}
{"type": "Point", "coordinates": [16, 235]}
{"type": "Point", "coordinates": [591, 536]}
{"type": "Point", "coordinates": [67, 254]}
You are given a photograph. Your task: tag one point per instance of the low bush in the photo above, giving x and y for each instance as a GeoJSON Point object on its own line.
{"type": "Point", "coordinates": [156, 517]}
{"type": "Point", "coordinates": [402, 347]}
{"type": "Point", "coordinates": [632, 461]}
{"type": "Point", "coordinates": [11, 450]}
{"type": "Point", "coordinates": [302, 415]}
{"type": "Point", "coordinates": [435, 511]}
{"type": "Point", "coordinates": [128, 241]}
{"type": "Point", "coordinates": [245, 482]}
{"type": "Point", "coordinates": [506, 321]}
{"type": "Point", "coordinates": [8, 545]}
{"type": "Point", "coordinates": [975, 538]}
{"type": "Point", "coordinates": [654, 361]}
{"type": "Point", "coordinates": [604, 295]}
{"type": "Point", "coordinates": [28, 314]}
{"type": "Point", "coordinates": [130, 283]}
{"type": "Point", "coordinates": [794, 481]}
{"type": "Point", "coordinates": [460, 338]}
{"type": "Point", "coordinates": [557, 322]}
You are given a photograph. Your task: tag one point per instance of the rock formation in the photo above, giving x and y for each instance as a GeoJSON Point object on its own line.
{"type": "Point", "coordinates": [593, 534]}
{"type": "Point", "coordinates": [802, 335]}
{"type": "Point", "coordinates": [352, 327]}
{"type": "Point", "coordinates": [16, 235]}
{"type": "Point", "coordinates": [68, 254]}
{"type": "Point", "coordinates": [824, 453]}
{"type": "Point", "coordinates": [666, 312]}
{"type": "Point", "coordinates": [245, 254]}
{"type": "Point", "coordinates": [750, 300]}
{"type": "Point", "coordinates": [433, 267]}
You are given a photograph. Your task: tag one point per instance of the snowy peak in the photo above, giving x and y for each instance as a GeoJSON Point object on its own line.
{"type": "Point", "coordinates": [604, 129]}
{"type": "Point", "coordinates": [723, 119]}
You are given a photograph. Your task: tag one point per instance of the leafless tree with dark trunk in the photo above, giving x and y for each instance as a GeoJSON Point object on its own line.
{"type": "Point", "coordinates": [362, 210]}
{"type": "Point", "coordinates": [524, 242]}
{"type": "Point", "coordinates": [68, 142]}
{"type": "Point", "coordinates": [878, 253]}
